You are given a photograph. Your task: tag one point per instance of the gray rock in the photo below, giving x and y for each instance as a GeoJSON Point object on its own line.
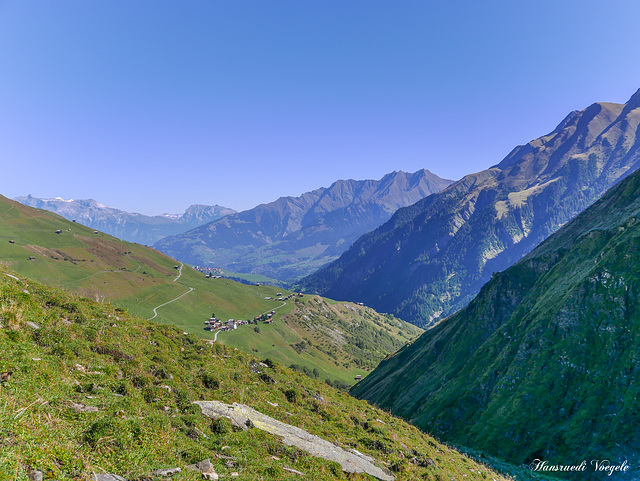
{"type": "Point", "coordinates": [33, 325]}
{"type": "Point", "coordinates": [254, 367]}
{"type": "Point", "coordinates": [243, 416]}
{"type": "Point", "coordinates": [82, 408]}
{"type": "Point", "coordinates": [165, 473]}
{"type": "Point", "coordinates": [206, 468]}
{"type": "Point", "coordinates": [107, 477]}
{"type": "Point", "coordinates": [424, 462]}
{"type": "Point", "coordinates": [36, 475]}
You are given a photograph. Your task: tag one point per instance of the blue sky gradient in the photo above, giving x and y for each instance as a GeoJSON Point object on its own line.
{"type": "Point", "coordinates": [152, 105]}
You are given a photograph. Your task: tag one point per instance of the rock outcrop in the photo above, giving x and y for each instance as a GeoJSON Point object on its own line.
{"type": "Point", "coordinates": [245, 417]}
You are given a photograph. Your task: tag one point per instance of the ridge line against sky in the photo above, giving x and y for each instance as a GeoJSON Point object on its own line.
{"type": "Point", "coordinates": [153, 106]}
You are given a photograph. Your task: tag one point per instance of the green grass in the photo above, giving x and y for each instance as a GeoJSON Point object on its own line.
{"type": "Point", "coordinates": [142, 378]}
{"type": "Point", "coordinates": [255, 278]}
{"type": "Point", "coordinates": [138, 278]}
{"type": "Point", "coordinates": [339, 340]}
{"type": "Point", "coordinates": [542, 364]}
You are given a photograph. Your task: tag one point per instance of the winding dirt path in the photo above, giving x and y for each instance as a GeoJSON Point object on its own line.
{"type": "Point", "coordinates": [155, 309]}
{"type": "Point", "coordinates": [179, 272]}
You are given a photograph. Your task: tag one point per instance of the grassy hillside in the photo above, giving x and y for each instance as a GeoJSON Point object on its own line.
{"type": "Point", "coordinates": [96, 390]}
{"type": "Point", "coordinates": [543, 363]}
{"type": "Point", "coordinates": [329, 337]}
{"type": "Point", "coordinates": [98, 266]}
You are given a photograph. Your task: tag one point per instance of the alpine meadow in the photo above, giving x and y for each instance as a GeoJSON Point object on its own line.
{"type": "Point", "coordinates": [338, 240]}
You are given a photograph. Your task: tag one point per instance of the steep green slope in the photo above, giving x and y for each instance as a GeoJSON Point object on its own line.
{"type": "Point", "coordinates": [328, 340]}
{"type": "Point", "coordinates": [433, 257]}
{"type": "Point", "coordinates": [94, 390]}
{"type": "Point", "coordinates": [543, 363]}
{"type": "Point", "coordinates": [140, 279]}
{"type": "Point", "coordinates": [292, 236]}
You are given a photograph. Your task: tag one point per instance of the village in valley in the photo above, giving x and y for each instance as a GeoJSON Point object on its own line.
{"type": "Point", "coordinates": [215, 324]}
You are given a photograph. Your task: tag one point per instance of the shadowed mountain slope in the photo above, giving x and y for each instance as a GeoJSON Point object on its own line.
{"type": "Point", "coordinates": [292, 236]}
{"type": "Point", "coordinates": [543, 363]}
{"type": "Point", "coordinates": [431, 258]}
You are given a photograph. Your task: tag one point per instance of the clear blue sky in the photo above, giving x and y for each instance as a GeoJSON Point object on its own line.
{"type": "Point", "coordinates": [152, 105]}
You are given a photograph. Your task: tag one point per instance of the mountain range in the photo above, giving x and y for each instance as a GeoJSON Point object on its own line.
{"type": "Point", "coordinates": [129, 226]}
{"type": "Point", "coordinates": [293, 236]}
{"type": "Point", "coordinates": [543, 364]}
{"type": "Point", "coordinates": [432, 258]}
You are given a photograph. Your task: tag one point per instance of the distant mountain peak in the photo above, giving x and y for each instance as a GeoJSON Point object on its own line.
{"type": "Point", "coordinates": [431, 258]}
{"type": "Point", "coordinates": [291, 236]}
{"type": "Point", "coordinates": [129, 226]}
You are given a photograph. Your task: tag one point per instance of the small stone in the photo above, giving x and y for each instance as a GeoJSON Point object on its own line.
{"type": "Point", "coordinates": [316, 396]}
{"type": "Point", "coordinates": [165, 473]}
{"type": "Point", "coordinates": [82, 408]}
{"type": "Point", "coordinates": [423, 462]}
{"type": "Point", "coordinates": [33, 325]}
{"type": "Point", "coordinates": [36, 475]}
{"type": "Point", "coordinates": [254, 367]}
{"type": "Point", "coordinates": [206, 468]}
{"type": "Point", "coordinates": [235, 474]}
{"type": "Point", "coordinates": [293, 471]}
{"type": "Point", "coordinates": [107, 477]}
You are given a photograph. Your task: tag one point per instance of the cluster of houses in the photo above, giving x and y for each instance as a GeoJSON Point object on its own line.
{"type": "Point", "coordinates": [286, 298]}
{"type": "Point", "coordinates": [267, 318]}
{"type": "Point", "coordinates": [215, 324]}
{"type": "Point", "coordinates": [211, 272]}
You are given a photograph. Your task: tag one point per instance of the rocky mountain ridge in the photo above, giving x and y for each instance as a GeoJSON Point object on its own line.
{"type": "Point", "coordinates": [543, 363]}
{"type": "Point", "coordinates": [431, 258]}
{"type": "Point", "coordinates": [291, 236]}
